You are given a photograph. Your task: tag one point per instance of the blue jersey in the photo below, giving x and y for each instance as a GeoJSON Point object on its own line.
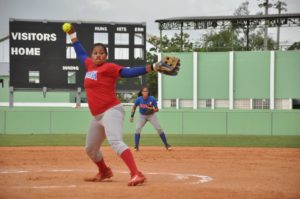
{"type": "Point", "coordinates": [143, 104]}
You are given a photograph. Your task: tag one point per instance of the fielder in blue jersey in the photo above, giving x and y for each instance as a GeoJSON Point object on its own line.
{"type": "Point", "coordinates": [148, 107]}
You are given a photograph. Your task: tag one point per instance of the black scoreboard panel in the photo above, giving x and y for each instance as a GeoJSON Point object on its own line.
{"type": "Point", "coordinates": [41, 54]}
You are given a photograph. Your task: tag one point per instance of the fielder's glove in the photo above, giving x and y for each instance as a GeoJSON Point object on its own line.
{"type": "Point", "coordinates": [168, 66]}
{"type": "Point", "coordinates": [150, 110]}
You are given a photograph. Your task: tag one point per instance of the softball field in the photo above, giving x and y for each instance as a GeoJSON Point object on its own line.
{"type": "Point", "coordinates": [184, 172]}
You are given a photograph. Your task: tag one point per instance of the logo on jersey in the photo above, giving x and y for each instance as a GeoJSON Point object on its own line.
{"type": "Point", "coordinates": [91, 75]}
{"type": "Point", "coordinates": [143, 106]}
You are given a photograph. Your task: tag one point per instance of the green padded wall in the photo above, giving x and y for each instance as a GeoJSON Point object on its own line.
{"type": "Point", "coordinates": [286, 123]}
{"type": "Point", "coordinates": [27, 122]}
{"type": "Point", "coordinates": [251, 75]}
{"type": "Point", "coordinates": [287, 74]}
{"type": "Point", "coordinates": [180, 86]}
{"type": "Point", "coordinates": [2, 122]}
{"type": "Point", "coordinates": [251, 123]}
{"type": "Point", "coordinates": [213, 75]}
{"type": "Point", "coordinates": [30, 120]}
{"type": "Point", "coordinates": [211, 122]}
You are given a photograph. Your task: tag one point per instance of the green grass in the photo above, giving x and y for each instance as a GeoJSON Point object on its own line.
{"type": "Point", "coordinates": [154, 140]}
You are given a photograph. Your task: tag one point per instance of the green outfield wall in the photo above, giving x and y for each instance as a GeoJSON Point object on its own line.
{"type": "Point", "coordinates": [251, 75]}
{"type": "Point", "coordinates": [251, 78]}
{"type": "Point", "coordinates": [226, 77]}
{"type": "Point", "coordinates": [184, 90]}
{"type": "Point", "coordinates": [30, 120]}
{"type": "Point", "coordinates": [287, 74]}
{"type": "Point", "coordinates": [212, 75]}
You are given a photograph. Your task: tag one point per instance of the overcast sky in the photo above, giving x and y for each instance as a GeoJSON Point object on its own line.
{"type": "Point", "coordinates": [132, 11]}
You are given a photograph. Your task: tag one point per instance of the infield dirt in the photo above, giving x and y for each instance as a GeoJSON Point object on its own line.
{"type": "Point", "coordinates": [184, 173]}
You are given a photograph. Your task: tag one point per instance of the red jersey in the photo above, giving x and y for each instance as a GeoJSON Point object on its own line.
{"type": "Point", "coordinates": [100, 86]}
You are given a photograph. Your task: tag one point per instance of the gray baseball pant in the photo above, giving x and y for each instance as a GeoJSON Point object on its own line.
{"type": "Point", "coordinates": [106, 125]}
{"type": "Point", "coordinates": [148, 118]}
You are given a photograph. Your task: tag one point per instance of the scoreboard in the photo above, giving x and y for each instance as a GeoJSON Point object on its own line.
{"type": "Point", "coordinates": [41, 54]}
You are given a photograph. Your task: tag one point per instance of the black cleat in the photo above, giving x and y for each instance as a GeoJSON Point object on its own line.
{"type": "Point", "coordinates": [168, 147]}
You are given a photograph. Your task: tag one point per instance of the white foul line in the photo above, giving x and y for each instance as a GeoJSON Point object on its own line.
{"type": "Point", "coordinates": [53, 187]}
{"type": "Point", "coordinates": [178, 176]}
{"type": "Point", "coordinates": [14, 171]}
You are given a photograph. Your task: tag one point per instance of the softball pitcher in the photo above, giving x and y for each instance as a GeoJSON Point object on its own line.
{"type": "Point", "coordinates": [148, 107]}
{"type": "Point", "coordinates": [108, 114]}
{"type": "Point", "coordinates": [100, 85]}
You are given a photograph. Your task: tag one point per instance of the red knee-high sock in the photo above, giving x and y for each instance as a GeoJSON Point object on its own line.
{"type": "Point", "coordinates": [101, 165]}
{"type": "Point", "coordinates": [129, 161]}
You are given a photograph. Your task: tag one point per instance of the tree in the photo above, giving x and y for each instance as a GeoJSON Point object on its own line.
{"type": "Point", "coordinates": [176, 43]}
{"type": "Point", "coordinates": [171, 45]}
{"type": "Point", "coordinates": [223, 40]}
{"type": "Point", "coordinates": [280, 6]}
{"type": "Point", "coordinates": [229, 38]}
{"type": "Point", "coordinates": [157, 43]}
{"type": "Point", "coordinates": [166, 44]}
{"type": "Point", "coordinates": [295, 46]}
{"type": "Point", "coordinates": [151, 78]}
{"type": "Point", "coordinates": [256, 41]}
{"type": "Point", "coordinates": [242, 9]}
